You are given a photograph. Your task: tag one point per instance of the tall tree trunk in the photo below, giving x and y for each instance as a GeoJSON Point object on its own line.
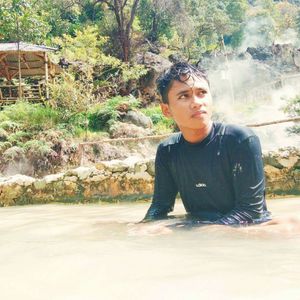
{"type": "Point", "coordinates": [124, 24]}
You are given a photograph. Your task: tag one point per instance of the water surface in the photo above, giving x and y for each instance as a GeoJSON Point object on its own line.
{"type": "Point", "coordinates": [63, 252]}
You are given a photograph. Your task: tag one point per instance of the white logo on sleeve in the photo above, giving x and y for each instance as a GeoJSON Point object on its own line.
{"type": "Point", "coordinates": [201, 185]}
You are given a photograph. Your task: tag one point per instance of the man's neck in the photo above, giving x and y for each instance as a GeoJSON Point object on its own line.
{"type": "Point", "coordinates": [196, 135]}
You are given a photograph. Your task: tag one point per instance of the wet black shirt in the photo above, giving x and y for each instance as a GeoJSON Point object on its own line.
{"type": "Point", "coordinates": [220, 180]}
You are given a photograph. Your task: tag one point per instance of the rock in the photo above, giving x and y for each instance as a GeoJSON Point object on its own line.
{"type": "Point", "coordinates": [97, 178]}
{"type": "Point", "coordinates": [151, 167]}
{"type": "Point", "coordinates": [82, 172]}
{"type": "Point", "coordinates": [12, 189]}
{"type": "Point", "coordinates": [288, 162]}
{"type": "Point", "coordinates": [116, 166]}
{"type": "Point", "coordinates": [100, 166]}
{"type": "Point", "coordinates": [139, 176]}
{"type": "Point", "coordinates": [131, 178]}
{"type": "Point", "coordinates": [272, 173]}
{"type": "Point", "coordinates": [13, 154]}
{"type": "Point", "coordinates": [40, 184]}
{"type": "Point", "coordinates": [53, 178]}
{"type": "Point", "coordinates": [283, 53]}
{"type": "Point", "coordinates": [296, 57]}
{"type": "Point", "coordinates": [124, 130]}
{"type": "Point", "coordinates": [71, 178]}
{"type": "Point", "coordinates": [156, 65]}
{"type": "Point", "coordinates": [284, 158]}
{"type": "Point", "coordinates": [21, 180]}
{"type": "Point", "coordinates": [138, 119]}
{"type": "Point", "coordinates": [260, 53]}
{"type": "Point", "coordinates": [131, 161]}
{"type": "Point", "coordinates": [153, 62]}
{"type": "Point", "coordinates": [140, 167]}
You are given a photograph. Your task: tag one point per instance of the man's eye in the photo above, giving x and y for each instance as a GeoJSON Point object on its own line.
{"type": "Point", "coordinates": [183, 96]}
{"type": "Point", "coordinates": [202, 93]}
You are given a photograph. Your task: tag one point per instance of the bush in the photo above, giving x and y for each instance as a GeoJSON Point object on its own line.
{"type": "Point", "coordinates": [9, 125]}
{"type": "Point", "coordinates": [29, 116]}
{"type": "Point", "coordinates": [95, 74]}
{"type": "Point", "coordinates": [4, 146]}
{"type": "Point", "coordinates": [71, 96]}
{"type": "Point", "coordinates": [13, 154]}
{"type": "Point", "coordinates": [102, 116]}
{"type": "Point", "coordinates": [19, 137]}
{"type": "Point", "coordinates": [160, 122]}
{"type": "Point", "coordinates": [38, 148]}
{"type": "Point", "coordinates": [293, 110]}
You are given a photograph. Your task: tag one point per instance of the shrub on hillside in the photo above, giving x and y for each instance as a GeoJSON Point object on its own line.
{"type": "Point", "coordinates": [102, 116]}
{"type": "Point", "coordinates": [293, 109]}
{"type": "Point", "coordinates": [28, 117]}
{"type": "Point", "coordinates": [160, 122]}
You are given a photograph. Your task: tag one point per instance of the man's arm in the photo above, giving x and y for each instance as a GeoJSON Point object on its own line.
{"type": "Point", "coordinates": [248, 184]}
{"type": "Point", "coordinates": [165, 189]}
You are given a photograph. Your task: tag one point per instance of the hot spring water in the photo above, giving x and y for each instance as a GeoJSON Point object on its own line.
{"type": "Point", "coordinates": [87, 252]}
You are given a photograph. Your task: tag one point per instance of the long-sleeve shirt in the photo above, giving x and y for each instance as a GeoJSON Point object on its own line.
{"type": "Point", "coordinates": [220, 179]}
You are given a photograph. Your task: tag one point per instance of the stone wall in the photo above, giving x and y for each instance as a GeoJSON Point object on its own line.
{"type": "Point", "coordinates": [128, 180]}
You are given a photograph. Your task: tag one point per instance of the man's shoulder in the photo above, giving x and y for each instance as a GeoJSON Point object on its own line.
{"type": "Point", "coordinates": [238, 133]}
{"type": "Point", "coordinates": [172, 140]}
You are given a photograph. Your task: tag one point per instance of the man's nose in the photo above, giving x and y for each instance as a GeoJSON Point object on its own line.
{"type": "Point", "coordinates": [197, 101]}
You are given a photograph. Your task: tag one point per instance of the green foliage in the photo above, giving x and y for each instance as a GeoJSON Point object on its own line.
{"type": "Point", "coordinates": [155, 18]}
{"type": "Point", "coordinates": [7, 124]}
{"type": "Point", "coordinates": [14, 153]}
{"type": "Point", "coordinates": [160, 122]}
{"type": "Point", "coordinates": [38, 148]}
{"type": "Point", "coordinates": [71, 96]}
{"type": "Point", "coordinates": [105, 114]}
{"type": "Point", "coordinates": [3, 135]}
{"type": "Point", "coordinates": [28, 116]}
{"type": "Point", "coordinates": [19, 137]}
{"type": "Point", "coordinates": [4, 146]}
{"type": "Point", "coordinates": [92, 71]}
{"type": "Point", "coordinates": [293, 110]}
{"type": "Point", "coordinates": [22, 19]}
{"type": "Point", "coordinates": [85, 45]}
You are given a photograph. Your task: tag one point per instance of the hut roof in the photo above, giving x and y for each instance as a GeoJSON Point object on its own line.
{"type": "Point", "coordinates": [24, 47]}
{"type": "Point", "coordinates": [32, 60]}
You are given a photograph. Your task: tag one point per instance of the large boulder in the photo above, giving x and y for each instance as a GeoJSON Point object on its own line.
{"type": "Point", "coordinates": [296, 57]}
{"type": "Point", "coordinates": [138, 119]}
{"type": "Point", "coordinates": [155, 64]}
{"type": "Point", "coordinates": [260, 53]}
{"type": "Point", "coordinates": [283, 158]}
{"type": "Point", "coordinates": [125, 130]}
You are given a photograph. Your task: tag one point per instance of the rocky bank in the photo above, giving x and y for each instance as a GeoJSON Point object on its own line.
{"type": "Point", "coordinates": [129, 179]}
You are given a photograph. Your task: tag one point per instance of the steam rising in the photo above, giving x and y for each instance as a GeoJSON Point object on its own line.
{"type": "Point", "coordinates": [257, 93]}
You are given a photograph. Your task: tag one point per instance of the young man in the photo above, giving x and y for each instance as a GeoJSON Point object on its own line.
{"type": "Point", "coordinates": [217, 168]}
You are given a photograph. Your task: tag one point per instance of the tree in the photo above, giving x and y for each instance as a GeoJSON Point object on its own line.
{"type": "Point", "coordinates": [157, 18]}
{"type": "Point", "coordinates": [286, 17]}
{"type": "Point", "coordinates": [125, 12]}
{"type": "Point", "coordinates": [293, 110]}
{"type": "Point", "coordinates": [20, 19]}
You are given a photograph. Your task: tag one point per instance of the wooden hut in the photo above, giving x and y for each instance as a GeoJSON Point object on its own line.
{"type": "Point", "coordinates": [19, 61]}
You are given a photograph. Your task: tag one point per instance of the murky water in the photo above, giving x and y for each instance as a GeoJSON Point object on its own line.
{"type": "Point", "coordinates": [91, 252]}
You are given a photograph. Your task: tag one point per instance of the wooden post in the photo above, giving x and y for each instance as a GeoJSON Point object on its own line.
{"type": "Point", "coordinates": [19, 62]}
{"type": "Point", "coordinates": [46, 75]}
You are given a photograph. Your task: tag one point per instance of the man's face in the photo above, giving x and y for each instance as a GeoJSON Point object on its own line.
{"type": "Point", "coordinates": [190, 103]}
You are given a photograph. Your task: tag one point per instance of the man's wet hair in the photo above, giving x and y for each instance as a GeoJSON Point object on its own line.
{"type": "Point", "coordinates": [180, 71]}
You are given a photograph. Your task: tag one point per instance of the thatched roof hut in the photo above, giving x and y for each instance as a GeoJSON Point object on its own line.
{"type": "Point", "coordinates": [19, 60]}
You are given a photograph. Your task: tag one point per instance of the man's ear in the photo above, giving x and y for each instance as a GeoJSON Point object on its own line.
{"type": "Point", "coordinates": [165, 110]}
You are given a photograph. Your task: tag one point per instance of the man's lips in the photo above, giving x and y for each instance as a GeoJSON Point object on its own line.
{"type": "Point", "coordinates": [199, 113]}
